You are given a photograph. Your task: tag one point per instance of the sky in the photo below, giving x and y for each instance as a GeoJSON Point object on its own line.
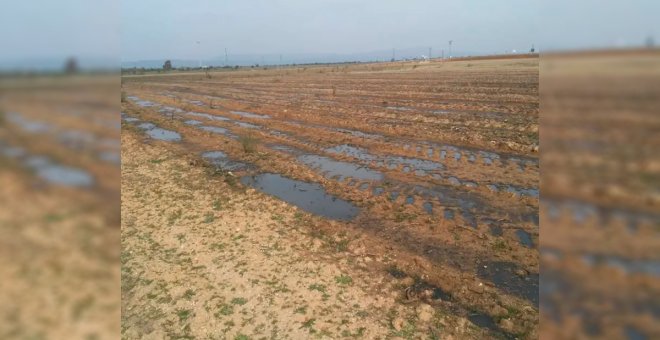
{"type": "Point", "coordinates": [41, 31]}
{"type": "Point", "coordinates": [157, 29]}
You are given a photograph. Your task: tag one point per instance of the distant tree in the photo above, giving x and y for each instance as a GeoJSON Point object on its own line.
{"type": "Point", "coordinates": [167, 66]}
{"type": "Point", "coordinates": [649, 42]}
{"type": "Point", "coordinates": [71, 65]}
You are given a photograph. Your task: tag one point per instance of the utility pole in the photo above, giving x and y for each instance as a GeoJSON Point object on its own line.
{"type": "Point", "coordinates": [226, 57]}
{"type": "Point", "coordinates": [200, 58]}
{"type": "Point", "coordinates": [430, 49]}
{"type": "Point", "coordinates": [450, 41]}
{"type": "Point", "coordinates": [443, 54]}
{"type": "Point", "coordinates": [393, 55]}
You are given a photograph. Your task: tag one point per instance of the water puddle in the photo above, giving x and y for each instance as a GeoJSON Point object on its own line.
{"type": "Point", "coordinates": [524, 238]}
{"type": "Point", "coordinates": [75, 139]}
{"type": "Point", "coordinates": [279, 134]}
{"type": "Point", "coordinates": [217, 130]}
{"type": "Point", "coordinates": [110, 156]}
{"type": "Point", "coordinates": [131, 119]}
{"type": "Point", "coordinates": [221, 161]}
{"type": "Point", "coordinates": [331, 168]}
{"type": "Point", "coordinates": [628, 266]}
{"type": "Point", "coordinates": [453, 181]}
{"type": "Point", "coordinates": [169, 110]}
{"type": "Point", "coordinates": [399, 108]}
{"type": "Point", "coordinates": [522, 192]}
{"type": "Point", "coordinates": [208, 116]}
{"type": "Point", "coordinates": [192, 122]}
{"type": "Point", "coordinates": [441, 112]}
{"type": "Point", "coordinates": [164, 135]}
{"type": "Point", "coordinates": [248, 125]}
{"type": "Point", "coordinates": [360, 134]}
{"type": "Point", "coordinates": [420, 167]}
{"type": "Point", "coordinates": [428, 207]}
{"type": "Point", "coordinates": [64, 175]}
{"type": "Point", "coordinates": [495, 230]}
{"type": "Point", "coordinates": [250, 115]}
{"type": "Point", "coordinates": [310, 197]}
{"type": "Point", "coordinates": [27, 125]}
{"type": "Point", "coordinates": [196, 102]}
{"type": "Point", "coordinates": [508, 277]}
{"type": "Point", "coordinates": [482, 320]}
{"type": "Point", "coordinates": [633, 334]}
{"type": "Point", "coordinates": [13, 151]}
{"type": "Point", "coordinates": [141, 102]}
{"type": "Point", "coordinates": [146, 126]}
{"type": "Point", "coordinates": [378, 191]}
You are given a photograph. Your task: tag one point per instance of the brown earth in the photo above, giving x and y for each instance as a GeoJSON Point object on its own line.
{"type": "Point", "coordinates": [412, 111]}
{"type": "Point", "coordinates": [59, 245]}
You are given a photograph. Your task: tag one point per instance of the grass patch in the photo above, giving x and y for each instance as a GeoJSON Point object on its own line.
{"type": "Point", "coordinates": [209, 218]}
{"type": "Point", "coordinates": [402, 216]}
{"type": "Point", "coordinates": [407, 332]}
{"type": "Point", "coordinates": [52, 218]}
{"type": "Point", "coordinates": [308, 324]}
{"type": "Point", "coordinates": [500, 245]}
{"type": "Point", "coordinates": [249, 143]}
{"type": "Point", "coordinates": [231, 181]}
{"type": "Point", "coordinates": [344, 280]}
{"type": "Point", "coordinates": [184, 314]}
{"type": "Point", "coordinates": [188, 294]}
{"type": "Point", "coordinates": [239, 301]}
{"type": "Point", "coordinates": [225, 309]}
{"type": "Point", "coordinates": [318, 287]}
{"type": "Point", "coordinates": [342, 245]}
{"type": "Point", "coordinates": [174, 216]}
{"type": "Point", "coordinates": [218, 246]}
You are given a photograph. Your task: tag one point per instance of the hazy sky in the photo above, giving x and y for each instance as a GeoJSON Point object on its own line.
{"type": "Point", "coordinates": [43, 29]}
{"type": "Point", "coordinates": [574, 24]}
{"type": "Point", "coordinates": [158, 29]}
{"type": "Point", "coordinates": [153, 29]}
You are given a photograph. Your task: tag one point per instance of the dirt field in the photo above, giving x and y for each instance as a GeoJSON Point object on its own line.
{"type": "Point", "coordinates": [59, 174]}
{"type": "Point", "coordinates": [372, 200]}
{"type": "Point", "coordinates": [601, 183]}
